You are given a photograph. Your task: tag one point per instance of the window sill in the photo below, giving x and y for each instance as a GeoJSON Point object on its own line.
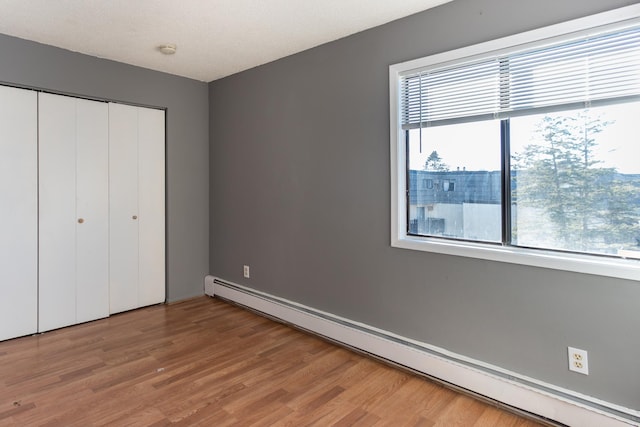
{"type": "Point", "coordinates": [620, 268]}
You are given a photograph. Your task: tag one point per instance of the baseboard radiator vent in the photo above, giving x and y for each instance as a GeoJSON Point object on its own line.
{"type": "Point", "coordinates": [550, 402]}
{"type": "Point", "coordinates": [209, 286]}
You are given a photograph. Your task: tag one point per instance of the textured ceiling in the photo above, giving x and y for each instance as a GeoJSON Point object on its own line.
{"type": "Point", "coordinates": [215, 38]}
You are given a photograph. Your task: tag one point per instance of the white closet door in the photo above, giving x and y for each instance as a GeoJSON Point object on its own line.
{"type": "Point", "coordinates": [151, 204]}
{"type": "Point", "coordinates": [92, 198]}
{"type": "Point", "coordinates": [123, 207]}
{"type": "Point", "coordinates": [57, 149]}
{"type": "Point", "coordinates": [137, 219]}
{"type": "Point", "coordinates": [73, 278]}
{"type": "Point", "coordinates": [18, 213]}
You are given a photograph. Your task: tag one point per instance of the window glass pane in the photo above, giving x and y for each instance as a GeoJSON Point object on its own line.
{"type": "Point", "coordinates": [576, 180]}
{"type": "Point", "coordinates": [454, 181]}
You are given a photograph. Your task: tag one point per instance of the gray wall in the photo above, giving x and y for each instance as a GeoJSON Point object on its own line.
{"type": "Point", "coordinates": [300, 192]}
{"type": "Point", "coordinates": [31, 64]}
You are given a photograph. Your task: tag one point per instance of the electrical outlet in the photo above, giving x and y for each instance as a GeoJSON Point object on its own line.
{"type": "Point", "coordinates": [247, 272]}
{"type": "Point", "coordinates": [578, 361]}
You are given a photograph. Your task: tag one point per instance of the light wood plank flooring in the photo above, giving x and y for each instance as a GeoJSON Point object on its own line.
{"type": "Point", "coordinates": [207, 362]}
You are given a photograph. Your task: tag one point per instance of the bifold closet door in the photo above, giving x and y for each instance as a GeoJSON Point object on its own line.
{"type": "Point", "coordinates": [18, 212]}
{"type": "Point", "coordinates": [74, 200]}
{"type": "Point", "coordinates": [136, 210]}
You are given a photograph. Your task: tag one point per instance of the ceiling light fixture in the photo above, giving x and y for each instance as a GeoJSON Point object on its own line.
{"type": "Point", "coordinates": [167, 49]}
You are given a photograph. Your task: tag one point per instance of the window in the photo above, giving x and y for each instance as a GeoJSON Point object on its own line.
{"type": "Point", "coordinates": [524, 149]}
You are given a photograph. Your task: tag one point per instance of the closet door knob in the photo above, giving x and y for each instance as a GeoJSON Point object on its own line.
{"type": "Point", "coordinates": [135, 217]}
{"type": "Point", "coordinates": [80, 220]}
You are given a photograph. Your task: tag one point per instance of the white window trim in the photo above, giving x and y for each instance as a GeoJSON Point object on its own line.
{"type": "Point", "coordinates": [589, 264]}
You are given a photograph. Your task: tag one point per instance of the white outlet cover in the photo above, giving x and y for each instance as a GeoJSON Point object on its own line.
{"type": "Point", "coordinates": [578, 360]}
{"type": "Point", "coordinates": [247, 272]}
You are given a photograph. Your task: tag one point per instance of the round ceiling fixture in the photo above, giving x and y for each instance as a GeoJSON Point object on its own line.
{"type": "Point", "coordinates": [167, 49]}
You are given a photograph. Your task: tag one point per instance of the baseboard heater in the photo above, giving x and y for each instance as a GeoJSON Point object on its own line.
{"type": "Point", "coordinates": [520, 392]}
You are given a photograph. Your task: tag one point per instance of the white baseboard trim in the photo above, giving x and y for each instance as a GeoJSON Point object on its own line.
{"type": "Point", "coordinates": [209, 288]}
{"type": "Point", "coordinates": [527, 394]}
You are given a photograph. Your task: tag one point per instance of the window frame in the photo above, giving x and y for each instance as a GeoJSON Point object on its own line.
{"type": "Point", "coordinates": [582, 263]}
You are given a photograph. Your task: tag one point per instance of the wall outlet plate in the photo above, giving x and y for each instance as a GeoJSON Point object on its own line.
{"type": "Point", "coordinates": [246, 272]}
{"type": "Point", "coordinates": [578, 361]}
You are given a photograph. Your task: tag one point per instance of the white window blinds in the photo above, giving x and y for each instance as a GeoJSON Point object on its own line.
{"type": "Point", "coordinates": [572, 74]}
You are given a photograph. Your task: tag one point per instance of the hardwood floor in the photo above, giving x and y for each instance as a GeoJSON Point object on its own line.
{"type": "Point", "coordinates": [206, 362]}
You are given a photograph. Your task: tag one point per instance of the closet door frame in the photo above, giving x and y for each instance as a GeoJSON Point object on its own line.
{"type": "Point", "coordinates": [27, 304]}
